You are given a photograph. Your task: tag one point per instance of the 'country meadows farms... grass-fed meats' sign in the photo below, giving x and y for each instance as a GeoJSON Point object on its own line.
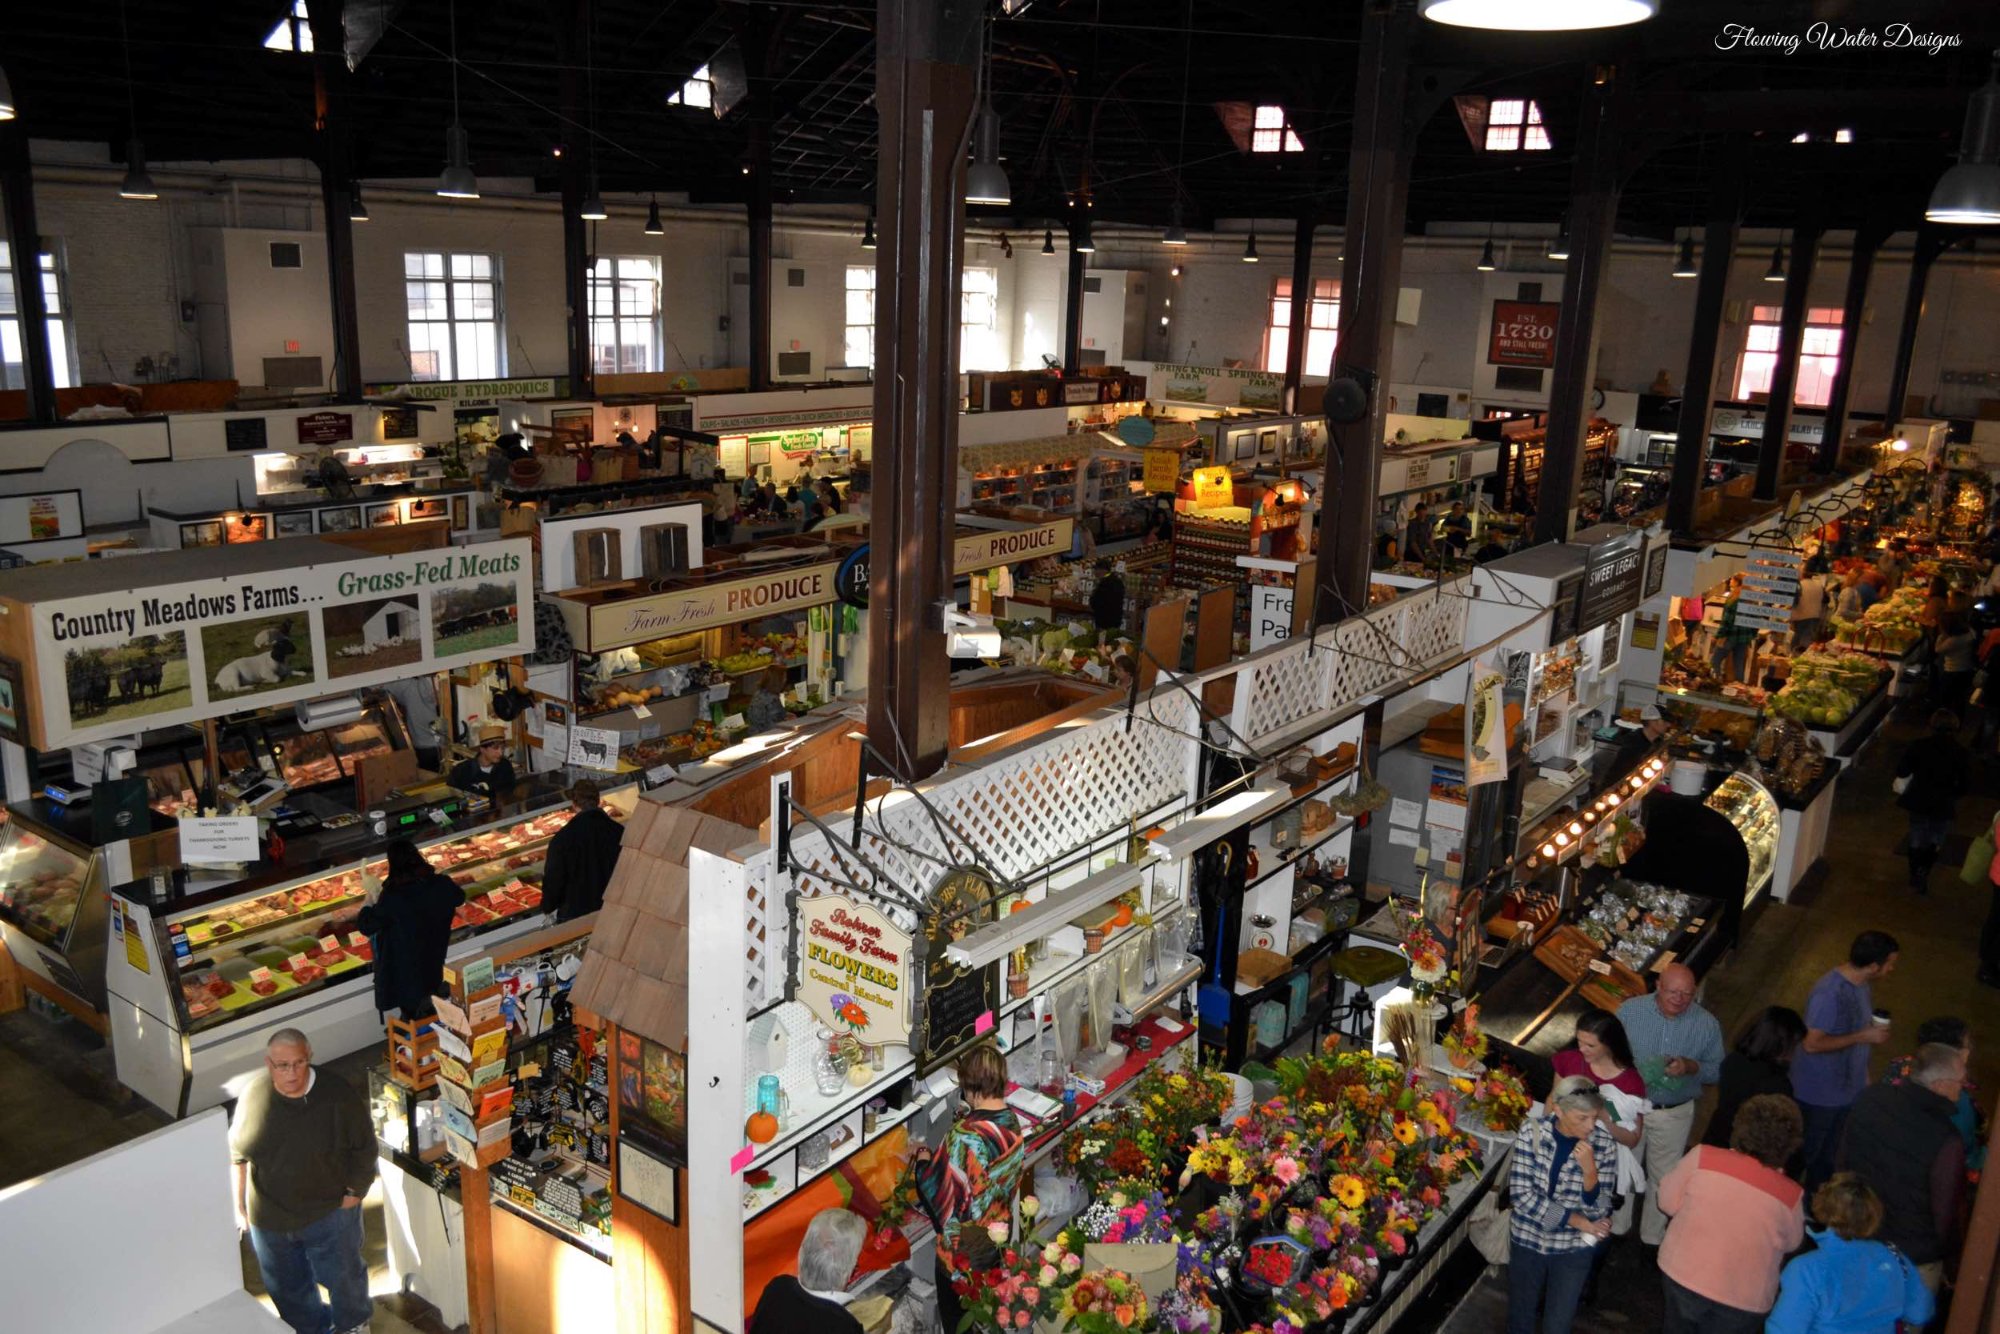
{"type": "Point", "coordinates": [111, 663]}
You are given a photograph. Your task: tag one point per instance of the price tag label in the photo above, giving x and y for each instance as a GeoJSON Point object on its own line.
{"type": "Point", "coordinates": [521, 1195]}
{"type": "Point", "coordinates": [356, 939]}
{"type": "Point", "coordinates": [734, 722]}
{"type": "Point", "coordinates": [660, 773]}
{"type": "Point", "coordinates": [718, 692]}
{"type": "Point", "coordinates": [296, 962]}
{"type": "Point", "coordinates": [641, 711]}
{"type": "Point", "coordinates": [1599, 966]}
{"type": "Point", "coordinates": [1698, 923]}
{"type": "Point", "coordinates": [440, 818]}
{"type": "Point", "coordinates": [260, 975]}
{"type": "Point", "coordinates": [329, 942]}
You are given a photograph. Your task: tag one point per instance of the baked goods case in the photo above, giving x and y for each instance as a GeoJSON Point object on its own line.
{"type": "Point", "coordinates": [1754, 812]}
{"type": "Point", "coordinates": [259, 950]}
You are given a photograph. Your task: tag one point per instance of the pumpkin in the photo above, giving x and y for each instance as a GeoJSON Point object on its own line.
{"type": "Point", "coordinates": [761, 1128]}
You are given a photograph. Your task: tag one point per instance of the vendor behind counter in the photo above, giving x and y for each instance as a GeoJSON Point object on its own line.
{"type": "Point", "coordinates": [488, 769]}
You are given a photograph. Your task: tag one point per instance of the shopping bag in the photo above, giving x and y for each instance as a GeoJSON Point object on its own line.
{"type": "Point", "coordinates": [1490, 1227]}
{"type": "Point", "coordinates": [1978, 868]}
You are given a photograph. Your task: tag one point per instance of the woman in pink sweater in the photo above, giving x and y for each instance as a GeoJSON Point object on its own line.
{"type": "Point", "coordinates": [1736, 1216]}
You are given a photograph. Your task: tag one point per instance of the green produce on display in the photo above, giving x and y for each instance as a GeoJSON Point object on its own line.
{"type": "Point", "coordinates": [1825, 688]}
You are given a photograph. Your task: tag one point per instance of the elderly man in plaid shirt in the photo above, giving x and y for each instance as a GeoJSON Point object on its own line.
{"type": "Point", "coordinates": [1562, 1206]}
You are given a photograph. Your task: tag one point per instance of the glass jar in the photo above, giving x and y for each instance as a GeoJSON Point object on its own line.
{"type": "Point", "coordinates": [767, 1095]}
{"type": "Point", "coordinates": [829, 1065]}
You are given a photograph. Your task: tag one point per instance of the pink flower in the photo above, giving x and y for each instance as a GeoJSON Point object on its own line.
{"type": "Point", "coordinates": [1397, 1243]}
{"type": "Point", "coordinates": [1031, 1294]}
{"type": "Point", "coordinates": [1285, 1168]}
{"type": "Point", "coordinates": [998, 1231]}
{"type": "Point", "coordinates": [1020, 1320]}
{"type": "Point", "coordinates": [1070, 1264]}
{"type": "Point", "coordinates": [1048, 1274]}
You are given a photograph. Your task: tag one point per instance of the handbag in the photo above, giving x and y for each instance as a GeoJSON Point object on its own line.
{"type": "Point", "coordinates": [1978, 868]}
{"type": "Point", "coordinates": [1491, 1226]}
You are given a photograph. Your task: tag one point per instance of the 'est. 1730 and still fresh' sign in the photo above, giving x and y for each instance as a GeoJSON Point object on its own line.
{"type": "Point", "coordinates": [1523, 333]}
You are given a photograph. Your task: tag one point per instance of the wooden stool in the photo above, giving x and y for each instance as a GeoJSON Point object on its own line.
{"type": "Point", "coordinates": [413, 1052]}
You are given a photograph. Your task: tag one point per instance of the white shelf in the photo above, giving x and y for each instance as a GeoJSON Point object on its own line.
{"type": "Point", "coordinates": [1198, 831]}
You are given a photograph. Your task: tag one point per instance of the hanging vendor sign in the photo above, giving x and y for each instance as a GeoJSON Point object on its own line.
{"type": "Point", "coordinates": [608, 625]}
{"type": "Point", "coordinates": [1523, 333]}
{"type": "Point", "coordinates": [325, 428]}
{"type": "Point", "coordinates": [1163, 468]}
{"type": "Point", "coordinates": [1221, 386]}
{"type": "Point", "coordinates": [853, 969]}
{"type": "Point", "coordinates": [982, 551]}
{"type": "Point", "coordinates": [108, 663]}
{"type": "Point", "coordinates": [1770, 591]}
{"type": "Point", "coordinates": [1613, 575]}
{"type": "Point", "coordinates": [1485, 724]}
{"type": "Point", "coordinates": [959, 1003]}
{"type": "Point", "coordinates": [437, 391]}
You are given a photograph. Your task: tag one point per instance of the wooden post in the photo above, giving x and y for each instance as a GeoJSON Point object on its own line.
{"type": "Point", "coordinates": [572, 24]}
{"type": "Point", "coordinates": [1785, 375]}
{"type": "Point", "coordinates": [1931, 242]}
{"type": "Point", "coordinates": [1073, 292]}
{"type": "Point", "coordinates": [475, 1197]}
{"type": "Point", "coordinates": [336, 181]}
{"type": "Point", "coordinates": [1974, 1307]}
{"type": "Point", "coordinates": [1301, 322]}
{"type": "Point", "coordinates": [649, 1256]}
{"type": "Point", "coordinates": [1860, 267]}
{"type": "Point", "coordinates": [1718, 247]}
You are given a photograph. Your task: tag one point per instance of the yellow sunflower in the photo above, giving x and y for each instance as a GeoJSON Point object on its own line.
{"type": "Point", "coordinates": [1351, 1191]}
{"type": "Point", "coordinates": [1404, 1130]}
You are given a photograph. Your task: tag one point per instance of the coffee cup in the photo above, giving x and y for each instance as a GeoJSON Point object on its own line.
{"type": "Point", "coordinates": [1882, 1017]}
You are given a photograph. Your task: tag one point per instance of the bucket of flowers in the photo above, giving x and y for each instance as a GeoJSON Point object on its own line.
{"type": "Point", "coordinates": [1105, 1302]}
{"type": "Point", "coordinates": [1464, 1041]}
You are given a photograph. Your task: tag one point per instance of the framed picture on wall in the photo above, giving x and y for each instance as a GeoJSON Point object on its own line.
{"type": "Point", "coordinates": [433, 508]}
{"type": "Point", "coordinates": [346, 519]}
{"type": "Point", "coordinates": [759, 453]}
{"type": "Point", "coordinates": [293, 523]}
{"type": "Point", "coordinates": [207, 533]}
{"type": "Point", "coordinates": [458, 514]}
{"type": "Point", "coordinates": [1246, 445]}
{"type": "Point", "coordinates": [382, 516]}
{"type": "Point", "coordinates": [11, 701]}
{"type": "Point", "coordinates": [1267, 442]}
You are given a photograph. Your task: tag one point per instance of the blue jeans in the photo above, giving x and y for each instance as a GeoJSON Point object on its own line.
{"type": "Point", "coordinates": [1554, 1281]}
{"type": "Point", "coordinates": [1822, 1142]}
{"type": "Point", "coordinates": [326, 1253]}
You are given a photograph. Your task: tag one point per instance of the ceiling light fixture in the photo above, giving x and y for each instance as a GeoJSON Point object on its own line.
{"type": "Point", "coordinates": [1085, 243]}
{"type": "Point", "coordinates": [356, 210]}
{"type": "Point", "coordinates": [1684, 266]}
{"type": "Point", "coordinates": [1250, 246]}
{"type": "Point", "coordinates": [137, 183]}
{"type": "Point", "coordinates": [1486, 264]}
{"type": "Point", "coordinates": [1175, 233]}
{"type": "Point", "coordinates": [1559, 246]}
{"type": "Point", "coordinates": [457, 180]}
{"type": "Point", "coordinates": [1969, 191]}
{"type": "Point", "coordinates": [1776, 273]}
{"type": "Point", "coordinates": [653, 227]}
{"type": "Point", "coordinates": [6, 97]}
{"type": "Point", "coordinates": [592, 209]}
{"type": "Point", "coordinates": [1539, 15]}
{"type": "Point", "coordinates": [1049, 241]}
{"type": "Point", "coordinates": [985, 181]}
{"type": "Point", "coordinates": [868, 232]}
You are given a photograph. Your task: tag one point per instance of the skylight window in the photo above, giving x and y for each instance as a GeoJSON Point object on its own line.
{"type": "Point", "coordinates": [1514, 124]}
{"type": "Point", "coordinates": [698, 91]}
{"type": "Point", "coordinates": [293, 32]}
{"type": "Point", "coordinates": [1271, 132]}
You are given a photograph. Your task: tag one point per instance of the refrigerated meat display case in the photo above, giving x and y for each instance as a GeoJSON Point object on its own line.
{"type": "Point", "coordinates": [203, 982]}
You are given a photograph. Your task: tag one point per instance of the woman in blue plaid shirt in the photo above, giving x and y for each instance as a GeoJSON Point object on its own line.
{"type": "Point", "coordinates": [1562, 1208]}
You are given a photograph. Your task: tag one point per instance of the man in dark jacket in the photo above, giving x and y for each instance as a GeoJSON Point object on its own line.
{"type": "Point", "coordinates": [1107, 600]}
{"type": "Point", "coordinates": [815, 1302]}
{"type": "Point", "coordinates": [1901, 1139]}
{"type": "Point", "coordinates": [1935, 772]}
{"type": "Point", "coordinates": [582, 856]}
{"type": "Point", "coordinates": [488, 769]}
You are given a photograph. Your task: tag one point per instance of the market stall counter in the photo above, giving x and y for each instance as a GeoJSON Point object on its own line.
{"type": "Point", "coordinates": [199, 980]}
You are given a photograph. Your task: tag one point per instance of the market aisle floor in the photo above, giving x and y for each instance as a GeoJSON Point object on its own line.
{"type": "Point", "coordinates": [1788, 946]}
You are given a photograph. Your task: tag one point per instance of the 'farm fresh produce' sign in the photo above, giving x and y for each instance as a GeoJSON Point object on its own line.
{"type": "Point", "coordinates": [636, 620]}
{"type": "Point", "coordinates": [853, 969]}
{"type": "Point", "coordinates": [108, 663]}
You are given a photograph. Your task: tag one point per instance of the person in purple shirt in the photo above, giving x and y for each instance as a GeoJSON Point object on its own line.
{"type": "Point", "coordinates": [1831, 1067]}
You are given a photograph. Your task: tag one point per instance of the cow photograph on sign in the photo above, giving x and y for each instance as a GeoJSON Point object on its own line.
{"type": "Point", "coordinates": [477, 616]}
{"type": "Point", "coordinates": [135, 678]}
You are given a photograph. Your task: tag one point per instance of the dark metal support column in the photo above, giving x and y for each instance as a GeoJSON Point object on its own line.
{"type": "Point", "coordinates": [1785, 375]}
{"type": "Point", "coordinates": [336, 181]}
{"type": "Point", "coordinates": [1593, 215]}
{"type": "Point", "coordinates": [1931, 242]}
{"type": "Point", "coordinates": [1860, 268]}
{"type": "Point", "coordinates": [759, 181]}
{"type": "Point", "coordinates": [1370, 276]}
{"type": "Point", "coordinates": [1079, 225]}
{"type": "Point", "coordinates": [1718, 248]}
{"type": "Point", "coordinates": [17, 183]}
{"type": "Point", "coordinates": [572, 30]}
{"type": "Point", "coordinates": [1302, 267]}
{"type": "Point", "coordinates": [923, 98]}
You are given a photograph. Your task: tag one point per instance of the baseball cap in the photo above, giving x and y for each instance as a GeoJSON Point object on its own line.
{"type": "Point", "coordinates": [1650, 714]}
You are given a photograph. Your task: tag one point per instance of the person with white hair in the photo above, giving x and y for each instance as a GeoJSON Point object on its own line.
{"type": "Point", "coordinates": [1901, 1139]}
{"type": "Point", "coordinates": [815, 1302]}
{"type": "Point", "coordinates": [1562, 1180]}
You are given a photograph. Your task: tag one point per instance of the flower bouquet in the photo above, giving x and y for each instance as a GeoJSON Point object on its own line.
{"type": "Point", "coordinates": [1106, 1302]}
{"type": "Point", "coordinates": [1119, 1147]}
{"type": "Point", "coordinates": [1121, 1219]}
{"type": "Point", "coordinates": [1272, 1264]}
{"type": "Point", "coordinates": [1173, 1103]}
{"type": "Point", "coordinates": [1464, 1042]}
{"type": "Point", "coordinates": [1499, 1097]}
{"type": "Point", "coordinates": [1016, 1293]}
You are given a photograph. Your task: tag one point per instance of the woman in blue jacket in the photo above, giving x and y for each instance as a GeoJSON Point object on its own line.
{"type": "Point", "coordinates": [1849, 1285]}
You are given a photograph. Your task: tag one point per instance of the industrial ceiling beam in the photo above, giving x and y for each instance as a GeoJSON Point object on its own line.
{"type": "Point", "coordinates": [1860, 268]}
{"type": "Point", "coordinates": [336, 182]}
{"type": "Point", "coordinates": [1718, 248]}
{"type": "Point", "coordinates": [1791, 333]}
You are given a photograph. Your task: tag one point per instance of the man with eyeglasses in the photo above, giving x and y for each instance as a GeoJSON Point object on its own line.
{"type": "Point", "coordinates": [303, 1150]}
{"type": "Point", "coordinates": [1678, 1046]}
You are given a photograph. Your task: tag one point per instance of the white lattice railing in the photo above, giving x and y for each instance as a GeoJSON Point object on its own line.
{"type": "Point", "coordinates": [1025, 809]}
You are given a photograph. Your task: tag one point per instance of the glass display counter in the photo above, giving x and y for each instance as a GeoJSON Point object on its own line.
{"type": "Point", "coordinates": [52, 896]}
{"type": "Point", "coordinates": [1754, 812]}
{"type": "Point", "coordinates": [218, 972]}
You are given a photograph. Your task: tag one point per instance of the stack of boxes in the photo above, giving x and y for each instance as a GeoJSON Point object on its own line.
{"type": "Point", "coordinates": [477, 1094]}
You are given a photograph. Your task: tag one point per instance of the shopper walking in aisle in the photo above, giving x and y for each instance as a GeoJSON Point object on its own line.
{"type": "Point", "coordinates": [1831, 1067]}
{"type": "Point", "coordinates": [1930, 778]}
{"type": "Point", "coordinates": [408, 924]}
{"type": "Point", "coordinates": [967, 1188]}
{"type": "Point", "coordinates": [1419, 542]}
{"type": "Point", "coordinates": [1760, 1063]}
{"type": "Point", "coordinates": [1107, 600]}
{"type": "Point", "coordinates": [1956, 661]}
{"type": "Point", "coordinates": [1849, 1284]}
{"type": "Point", "coordinates": [1678, 1046]}
{"type": "Point", "coordinates": [1736, 1217]}
{"type": "Point", "coordinates": [1952, 1032]}
{"type": "Point", "coordinates": [815, 1302]}
{"type": "Point", "coordinates": [1562, 1207]}
{"type": "Point", "coordinates": [1901, 1139]}
{"type": "Point", "coordinates": [582, 856]}
{"type": "Point", "coordinates": [1603, 1055]}
{"type": "Point", "coordinates": [303, 1153]}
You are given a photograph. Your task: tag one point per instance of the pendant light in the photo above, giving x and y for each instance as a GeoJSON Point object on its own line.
{"type": "Point", "coordinates": [1250, 247]}
{"type": "Point", "coordinates": [1176, 234]}
{"type": "Point", "coordinates": [592, 209]}
{"type": "Point", "coordinates": [1684, 265]}
{"type": "Point", "coordinates": [457, 180]}
{"type": "Point", "coordinates": [6, 97]}
{"type": "Point", "coordinates": [653, 227]}
{"type": "Point", "coordinates": [1776, 273]}
{"type": "Point", "coordinates": [357, 211]}
{"type": "Point", "coordinates": [868, 232]}
{"type": "Point", "coordinates": [1085, 243]}
{"type": "Point", "coordinates": [1969, 191]}
{"type": "Point", "coordinates": [1559, 247]}
{"type": "Point", "coordinates": [1486, 264]}
{"type": "Point", "coordinates": [1049, 241]}
{"type": "Point", "coordinates": [138, 184]}
{"type": "Point", "coordinates": [985, 180]}
{"type": "Point", "coordinates": [1539, 15]}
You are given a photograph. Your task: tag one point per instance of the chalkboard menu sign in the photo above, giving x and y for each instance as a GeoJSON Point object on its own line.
{"type": "Point", "coordinates": [959, 1003]}
{"type": "Point", "coordinates": [399, 423]}
{"type": "Point", "coordinates": [243, 435]}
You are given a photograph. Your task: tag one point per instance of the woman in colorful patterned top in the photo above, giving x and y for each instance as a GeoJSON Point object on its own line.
{"type": "Point", "coordinates": [968, 1187]}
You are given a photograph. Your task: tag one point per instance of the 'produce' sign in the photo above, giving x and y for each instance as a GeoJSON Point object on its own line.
{"type": "Point", "coordinates": [1524, 333]}
{"type": "Point", "coordinates": [853, 969]}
